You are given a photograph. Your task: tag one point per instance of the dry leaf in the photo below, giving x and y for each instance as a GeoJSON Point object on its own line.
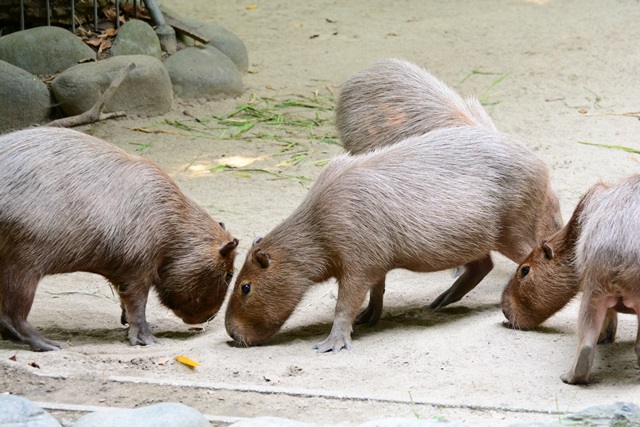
{"type": "Point", "coordinates": [582, 111]}
{"type": "Point", "coordinates": [186, 361]}
{"type": "Point", "coordinates": [14, 358]}
{"type": "Point", "coordinates": [34, 364]}
{"type": "Point", "coordinates": [251, 6]}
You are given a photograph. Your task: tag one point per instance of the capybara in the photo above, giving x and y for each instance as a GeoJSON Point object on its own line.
{"type": "Point", "coordinates": [71, 202]}
{"type": "Point", "coordinates": [428, 203]}
{"type": "Point", "coordinates": [598, 253]}
{"type": "Point", "coordinates": [396, 99]}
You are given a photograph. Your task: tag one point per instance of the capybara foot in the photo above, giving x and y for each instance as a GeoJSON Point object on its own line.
{"type": "Point", "coordinates": [334, 342]}
{"type": "Point", "coordinates": [44, 344]}
{"type": "Point", "coordinates": [141, 336]}
{"type": "Point", "coordinates": [581, 372]}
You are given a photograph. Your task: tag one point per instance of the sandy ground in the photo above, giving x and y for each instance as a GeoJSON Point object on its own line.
{"type": "Point", "coordinates": [573, 68]}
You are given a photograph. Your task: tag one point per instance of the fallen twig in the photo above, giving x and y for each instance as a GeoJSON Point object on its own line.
{"type": "Point", "coordinates": [95, 113]}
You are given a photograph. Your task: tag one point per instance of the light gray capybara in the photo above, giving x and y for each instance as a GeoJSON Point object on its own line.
{"type": "Point", "coordinates": [396, 99]}
{"type": "Point", "coordinates": [428, 203]}
{"type": "Point", "coordinates": [71, 202]}
{"type": "Point", "coordinates": [598, 253]}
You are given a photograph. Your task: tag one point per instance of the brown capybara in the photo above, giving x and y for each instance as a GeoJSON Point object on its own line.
{"type": "Point", "coordinates": [598, 253]}
{"type": "Point", "coordinates": [71, 202]}
{"type": "Point", "coordinates": [425, 204]}
{"type": "Point", "coordinates": [396, 99]}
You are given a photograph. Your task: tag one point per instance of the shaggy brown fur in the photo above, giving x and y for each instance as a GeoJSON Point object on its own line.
{"type": "Point", "coordinates": [70, 202]}
{"type": "Point", "coordinates": [425, 204]}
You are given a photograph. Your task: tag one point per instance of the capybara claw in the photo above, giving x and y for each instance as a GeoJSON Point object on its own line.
{"type": "Point", "coordinates": [333, 344]}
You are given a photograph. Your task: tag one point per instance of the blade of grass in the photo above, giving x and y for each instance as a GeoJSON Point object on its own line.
{"type": "Point", "coordinates": [615, 147]}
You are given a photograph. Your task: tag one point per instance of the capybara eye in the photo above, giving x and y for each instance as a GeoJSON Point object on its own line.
{"type": "Point", "coordinates": [228, 277]}
{"type": "Point", "coordinates": [524, 271]}
{"type": "Point", "coordinates": [246, 288]}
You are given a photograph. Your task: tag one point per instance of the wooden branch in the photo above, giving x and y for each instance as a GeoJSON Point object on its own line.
{"type": "Point", "coordinates": [95, 113]}
{"type": "Point", "coordinates": [180, 27]}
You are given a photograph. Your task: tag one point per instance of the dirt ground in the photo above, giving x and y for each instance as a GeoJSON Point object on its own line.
{"type": "Point", "coordinates": [552, 73]}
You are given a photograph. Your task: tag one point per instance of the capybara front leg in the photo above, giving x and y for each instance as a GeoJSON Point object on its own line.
{"type": "Point", "coordinates": [474, 272]}
{"type": "Point", "coordinates": [372, 313]}
{"type": "Point", "coordinates": [609, 327]}
{"type": "Point", "coordinates": [592, 314]}
{"type": "Point", "coordinates": [134, 302]}
{"type": "Point", "coordinates": [351, 295]}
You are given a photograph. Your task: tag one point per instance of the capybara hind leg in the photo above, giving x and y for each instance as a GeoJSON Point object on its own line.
{"type": "Point", "coordinates": [351, 295]}
{"type": "Point", "coordinates": [609, 327]}
{"type": "Point", "coordinates": [134, 304]}
{"type": "Point", "coordinates": [18, 290]}
{"type": "Point", "coordinates": [372, 313]}
{"type": "Point", "coordinates": [474, 272]}
{"type": "Point", "coordinates": [591, 318]}
{"type": "Point", "coordinates": [7, 334]}
{"type": "Point", "coordinates": [24, 332]}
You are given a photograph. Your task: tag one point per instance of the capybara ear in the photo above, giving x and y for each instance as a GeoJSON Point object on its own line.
{"type": "Point", "coordinates": [548, 250]}
{"type": "Point", "coordinates": [256, 240]}
{"type": "Point", "coordinates": [261, 258]}
{"type": "Point", "coordinates": [222, 225]}
{"type": "Point", "coordinates": [228, 247]}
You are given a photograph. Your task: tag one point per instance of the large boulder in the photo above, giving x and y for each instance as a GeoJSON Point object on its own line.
{"type": "Point", "coordinates": [44, 50]}
{"type": "Point", "coordinates": [16, 411]}
{"type": "Point", "coordinates": [25, 99]}
{"type": "Point", "coordinates": [203, 73]}
{"type": "Point", "coordinates": [219, 38]}
{"type": "Point", "coordinates": [136, 37]}
{"type": "Point", "coordinates": [146, 90]}
{"type": "Point", "coordinates": [225, 41]}
{"type": "Point", "coordinates": [159, 415]}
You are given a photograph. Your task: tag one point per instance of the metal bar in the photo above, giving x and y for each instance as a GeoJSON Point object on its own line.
{"type": "Point", "coordinates": [48, 13]}
{"type": "Point", "coordinates": [117, 14]}
{"type": "Point", "coordinates": [22, 15]}
{"type": "Point", "coordinates": [73, 16]}
{"type": "Point", "coordinates": [95, 15]}
{"type": "Point", "coordinates": [135, 9]}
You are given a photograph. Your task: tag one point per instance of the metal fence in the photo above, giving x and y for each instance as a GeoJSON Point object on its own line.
{"type": "Point", "coordinates": [151, 6]}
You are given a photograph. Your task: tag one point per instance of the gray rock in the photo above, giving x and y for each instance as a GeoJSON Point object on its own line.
{"type": "Point", "coordinates": [620, 414]}
{"type": "Point", "coordinates": [44, 50]}
{"type": "Point", "coordinates": [145, 91]}
{"type": "Point", "coordinates": [219, 37]}
{"type": "Point", "coordinates": [25, 99]}
{"type": "Point", "coordinates": [271, 422]}
{"type": "Point", "coordinates": [160, 415]}
{"type": "Point", "coordinates": [16, 411]}
{"type": "Point", "coordinates": [197, 72]}
{"type": "Point", "coordinates": [136, 37]}
{"type": "Point", "coordinates": [225, 41]}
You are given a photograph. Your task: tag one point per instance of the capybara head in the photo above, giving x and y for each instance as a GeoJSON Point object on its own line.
{"type": "Point", "coordinates": [547, 279]}
{"type": "Point", "coordinates": [268, 288]}
{"type": "Point", "coordinates": [543, 284]}
{"type": "Point", "coordinates": [196, 275]}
